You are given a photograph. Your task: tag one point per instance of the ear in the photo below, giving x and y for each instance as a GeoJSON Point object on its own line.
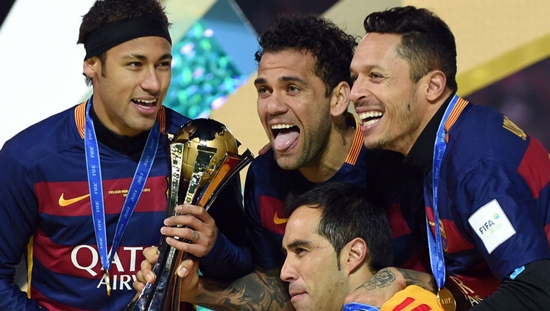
{"type": "Point", "coordinates": [354, 255]}
{"type": "Point", "coordinates": [92, 66]}
{"type": "Point", "coordinates": [435, 88]}
{"type": "Point", "coordinates": [339, 102]}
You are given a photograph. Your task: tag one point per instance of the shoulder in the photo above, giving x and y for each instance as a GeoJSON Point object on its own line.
{"type": "Point", "coordinates": [484, 134]}
{"type": "Point", "coordinates": [265, 176]}
{"type": "Point", "coordinates": [265, 163]}
{"type": "Point", "coordinates": [174, 120]}
{"type": "Point", "coordinates": [43, 138]}
{"type": "Point", "coordinates": [263, 166]}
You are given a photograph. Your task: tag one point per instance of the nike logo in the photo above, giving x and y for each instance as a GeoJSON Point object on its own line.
{"type": "Point", "coordinates": [279, 221]}
{"type": "Point", "coordinates": [64, 202]}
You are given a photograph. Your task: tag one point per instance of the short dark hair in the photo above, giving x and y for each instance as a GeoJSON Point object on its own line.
{"type": "Point", "coordinates": [346, 214]}
{"type": "Point", "coordinates": [331, 47]}
{"type": "Point", "coordinates": [104, 12]}
{"type": "Point", "coordinates": [427, 42]}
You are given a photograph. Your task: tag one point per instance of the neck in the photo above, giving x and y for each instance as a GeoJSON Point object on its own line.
{"type": "Point", "coordinates": [333, 155]}
{"type": "Point", "coordinates": [427, 115]}
{"type": "Point", "coordinates": [122, 144]}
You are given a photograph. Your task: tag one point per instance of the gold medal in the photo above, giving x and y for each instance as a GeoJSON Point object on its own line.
{"type": "Point", "coordinates": [446, 300]}
{"type": "Point", "coordinates": [108, 283]}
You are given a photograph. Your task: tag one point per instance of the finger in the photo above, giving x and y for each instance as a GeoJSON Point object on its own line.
{"type": "Point", "coordinates": [147, 271]}
{"type": "Point", "coordinates": [195, 210]}
{"type": "Point", "coordinates": [202, 235]}
{"type": "Point", "coordinates": [140, 277]}
{"type": "Point", "coordinates": [138, 286]}
{"type": "Point", "coordinates": [184, 234]}
{"type": "Point", "coordinates": [185, 221]}
{"type": "Point", "coordinates": [151, 254]}
{"type": "Point", "coordinates": [195, 236]}
{"type": "Point", "coordinates": [264, 149]}
{"type": "Point", "coordinates": [196, 250]}
{"type": "Point", "coordinates": [185, 209]}
{"type": "Point", "coordinates": [186, 267]}
{"type": "Point", "coordinates": [187, 235]}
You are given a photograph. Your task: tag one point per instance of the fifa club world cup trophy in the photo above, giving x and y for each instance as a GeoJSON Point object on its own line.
{"type": "Point", "coordinates": [204, 158]}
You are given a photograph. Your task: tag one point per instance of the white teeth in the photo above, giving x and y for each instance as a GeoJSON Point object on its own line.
{"type": "Point", "coordinates": [370, 114]}
{"type": "Point", "coordinates": [281, 126]}
{"type": "Point", "coordinates": [367, 123]}
{"type": "Point", "coordinates": [144, 101]}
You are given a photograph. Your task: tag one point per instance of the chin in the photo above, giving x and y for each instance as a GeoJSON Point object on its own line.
{"type": "Point", "coordinates": [372, 144]}
{"type": "Point", "coordinates": [145, 125]}
{"type": "Point", "coordinates": [301, 307]}
{"type": "Point", "coordinates": [286, 164]}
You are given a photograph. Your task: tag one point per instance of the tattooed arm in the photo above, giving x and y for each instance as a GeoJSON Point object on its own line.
{"type": "Point", "coordinates": [388, 281]}
{"type": "Point", "coordinates": [421, 279]}
{"type": "Point", "coordinates": [259, 290]}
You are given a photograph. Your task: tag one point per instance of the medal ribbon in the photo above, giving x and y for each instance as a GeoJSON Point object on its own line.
{"type": "Point", "coordinates": [435, 245]}
{"type": "Point", "coordinates": [96, 189]}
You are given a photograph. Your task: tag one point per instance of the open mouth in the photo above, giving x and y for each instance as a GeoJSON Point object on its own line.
{"type": "Point", "coordinates": [146, 104]}
{"type": "Point", "coordinates": [370, 117]}
{"type": "Point", "coordinates": [285, 136]}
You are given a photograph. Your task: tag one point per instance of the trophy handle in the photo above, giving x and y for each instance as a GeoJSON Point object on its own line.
{"type": "Point", "coordinates": [232, 165]}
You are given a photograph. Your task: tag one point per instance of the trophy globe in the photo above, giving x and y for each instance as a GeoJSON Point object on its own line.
{"type": "Point", "coordinates": [207, 133]}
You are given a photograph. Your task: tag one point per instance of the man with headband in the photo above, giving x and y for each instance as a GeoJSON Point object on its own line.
{"type": "Point", "coordinates": [93, 177]}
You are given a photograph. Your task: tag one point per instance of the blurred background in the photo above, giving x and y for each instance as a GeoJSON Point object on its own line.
{"type": "Point", "coordinates": [503, 57]}
{"type": "Point", "coordinates": [503, 49]}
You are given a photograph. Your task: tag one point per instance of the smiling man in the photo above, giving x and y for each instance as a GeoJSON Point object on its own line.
{"type": "Point", "coordinates": [336, 240]}
{"type": "Point", "coordinates": [84, 191]}
{"type": "Point", "coordinates": [303, 86]}
{"type": "Point", "coordinates": [486, 182]}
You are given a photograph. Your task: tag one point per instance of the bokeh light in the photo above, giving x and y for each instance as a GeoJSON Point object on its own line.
{"type": "Point", "coordinates": [203, 75]}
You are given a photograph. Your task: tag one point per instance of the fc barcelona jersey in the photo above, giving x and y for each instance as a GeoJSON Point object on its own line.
{"type": "Point", "coordinates": [494, 199]}
{"type": "Point", "coordinates": [46, 214]}
{"type": "Point", "coordinates": [382, 172]}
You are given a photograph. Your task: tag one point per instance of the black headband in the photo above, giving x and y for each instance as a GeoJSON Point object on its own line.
{"type": "Point", "coordinates": [112, 34]}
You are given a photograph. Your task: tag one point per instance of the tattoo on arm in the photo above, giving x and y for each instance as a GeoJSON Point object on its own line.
{"type": "Point", "coordinates": [386, 277]}
{"type": "Point", "coordinates": [259, 290]}
{"type": "Point", "coordinates": [381, 279]}
{"type": "Point", "coordinates": [421, 279]}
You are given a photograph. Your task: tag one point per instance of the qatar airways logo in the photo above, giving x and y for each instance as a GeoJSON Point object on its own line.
{"type": "Point", "coordinates": [123, 266]}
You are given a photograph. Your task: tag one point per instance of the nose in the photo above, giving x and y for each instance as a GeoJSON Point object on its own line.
{"type": "Point", "coordinates": [288, 273]}
{"type": "Point", "coordinates": [275, 104]}
{"type": "Point", "coordinates": [358, 90]}
{"type": "Point", "coordinates": [151, 82]}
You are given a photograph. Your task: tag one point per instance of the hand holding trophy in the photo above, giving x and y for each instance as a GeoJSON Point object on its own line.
{"type": "Point", "coordinates": [204, 157]}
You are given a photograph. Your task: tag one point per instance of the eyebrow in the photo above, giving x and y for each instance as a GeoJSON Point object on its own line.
{"type": "Point", "coordinates": [283, 79]}
{"type": "Point", "coordinates": [368, 67]}
{"type": "Point", "coordinates": [292, 78]}
{"type": "Point", "coordinates": [297, 243]}
{"type": "Point", "coordinates": [144, 58]}
{"type": "Point", "coordinates": [260, 81]}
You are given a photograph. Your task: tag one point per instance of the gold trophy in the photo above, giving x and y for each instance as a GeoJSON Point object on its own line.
{"type": "Point", "coordinates": [204, 158]}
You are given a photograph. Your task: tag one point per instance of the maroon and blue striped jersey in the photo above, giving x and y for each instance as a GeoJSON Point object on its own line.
{"type": "Point", "coordinates": [46, 216]}
{"type": "Point", "coordinates": [381, 172]}
{"type": "Point", "coordinates": [494, 199]}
